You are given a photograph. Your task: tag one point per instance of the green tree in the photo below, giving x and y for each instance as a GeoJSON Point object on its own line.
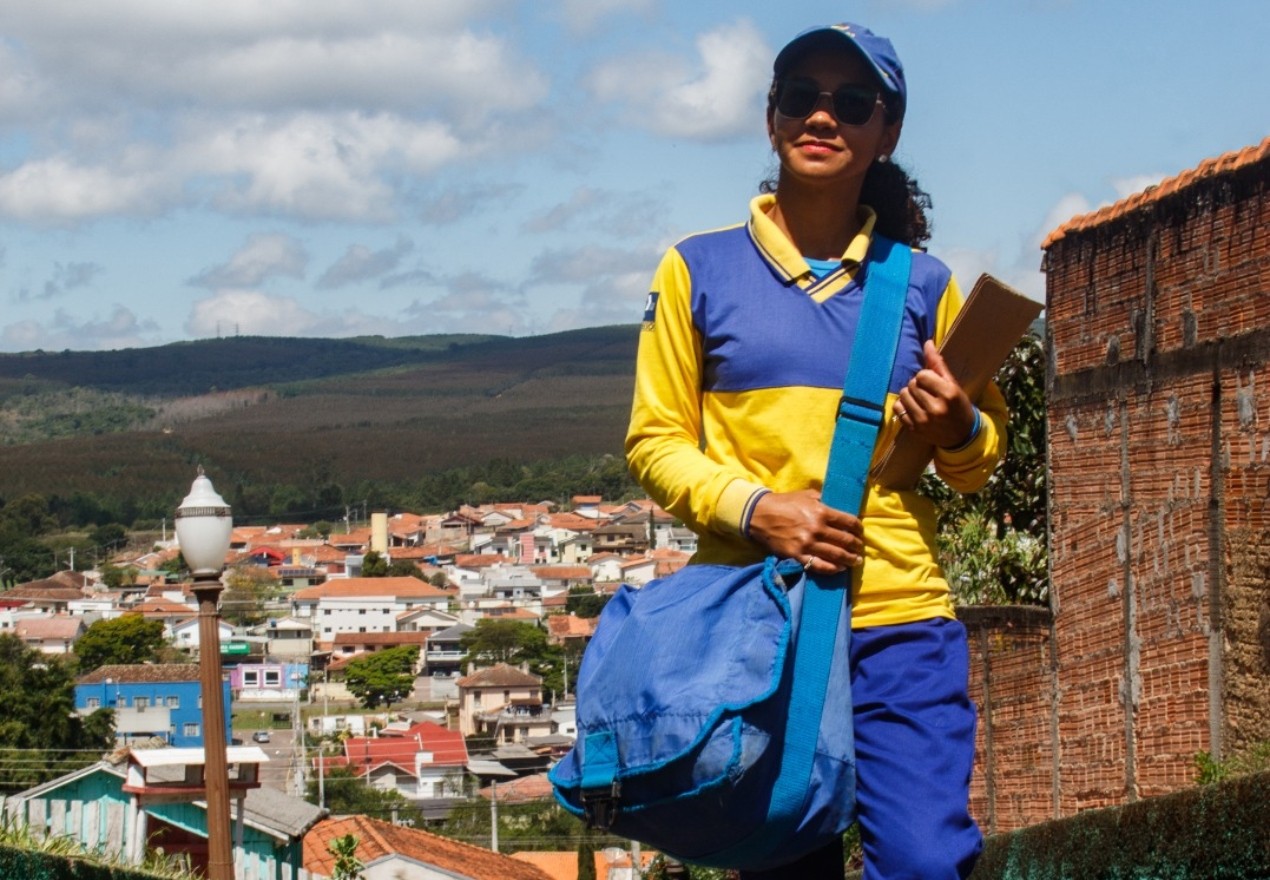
{"type": "Point", "coordinates": [22, 558]}
{"type": "Point", "coordinates": [114, 576]}
{"type": "Point", "coordinates": [347, 865]}
{"type": "Point", "coordinates": [246, 590]}
{"type": "Point", "coordinates": [586, 861]}
{"type": "Point", "coordinates": [128, 639]}
{"type": "Point", "coordinates": [992, 543]}
{"type": "Point", "coordinates": [29, 514]}
{"type": "Point", "coordinates": [585, 602]}
{"type": "Point", "coordinates": [384, 677]}
{"type": "Point", "coordinates": [504, 641]}
{"type": "Point", "coordinates": [40, 730]}
{"type": "Point", "coordinates": [404, 568]}
{"type": "Point", "coordinates": [374, 565]}
{"type": "Point", "coordinates": [108, 536]}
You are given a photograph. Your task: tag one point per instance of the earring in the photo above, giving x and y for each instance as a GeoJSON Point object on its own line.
{"type": "Point", "coordinates": [884, 158]}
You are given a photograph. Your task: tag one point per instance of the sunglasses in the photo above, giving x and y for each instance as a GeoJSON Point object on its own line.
{"type": "Point", "coordinates": [852, 105]}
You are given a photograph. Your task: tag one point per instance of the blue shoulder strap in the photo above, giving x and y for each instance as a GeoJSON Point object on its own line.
{"type": "Point", "coordinates": [859, 418]}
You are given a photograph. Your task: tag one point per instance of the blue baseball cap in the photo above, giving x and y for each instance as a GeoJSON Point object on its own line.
{"type": "Point", "coordinates": [876, 51]}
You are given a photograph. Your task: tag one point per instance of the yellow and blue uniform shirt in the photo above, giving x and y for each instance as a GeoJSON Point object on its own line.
{"type": "Point", "coordinates": [740, 369]}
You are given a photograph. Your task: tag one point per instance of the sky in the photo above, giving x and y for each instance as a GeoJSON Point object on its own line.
{"type": "Point", "coordinates": [321, 168]}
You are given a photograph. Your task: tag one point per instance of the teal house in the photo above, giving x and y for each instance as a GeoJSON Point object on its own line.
{"type": "Point", "coordinates": [95, 807]}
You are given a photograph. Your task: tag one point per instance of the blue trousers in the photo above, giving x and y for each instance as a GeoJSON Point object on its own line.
{"type": "Point", "coordinates": [915, 745]}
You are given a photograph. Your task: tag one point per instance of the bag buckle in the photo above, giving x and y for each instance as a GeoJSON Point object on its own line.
{"type": "Point", "coordinates": [858, 409]}
{"type": "Point", "coordinates": [601, 805]}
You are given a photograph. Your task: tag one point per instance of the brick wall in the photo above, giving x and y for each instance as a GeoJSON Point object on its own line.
{"type": "Point", "coordinates": [1158, 312]}
{"type": "Point", "coordinates": [1011, 661]}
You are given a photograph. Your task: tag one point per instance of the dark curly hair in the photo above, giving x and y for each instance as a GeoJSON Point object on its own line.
{"type": "Point", "coordinates": [895, 196]}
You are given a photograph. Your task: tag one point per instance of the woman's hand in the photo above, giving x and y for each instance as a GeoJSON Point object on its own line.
{"type": "Point", "coordinates": [796, 525]}
{"type": "Point", "coordinates": [933, 406]}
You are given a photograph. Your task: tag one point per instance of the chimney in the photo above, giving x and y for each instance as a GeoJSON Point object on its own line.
{"type": "Point", "coordinates": [379, 533]}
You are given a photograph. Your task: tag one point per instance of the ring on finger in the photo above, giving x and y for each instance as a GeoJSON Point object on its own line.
{"type": "Point", "coordinates": [809, 562]}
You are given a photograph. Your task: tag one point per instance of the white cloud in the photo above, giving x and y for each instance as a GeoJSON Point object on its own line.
{"type": "Point", "coordinates": [315, 166]}
{"type": "Point", "coordinates": [360, 263]}
{"type": "Point", "coordinates": [583, 265]}
{"type": "Point", "coordinates": [719, 96]}
{"type": "Point", "coordinates": [456, 203]}
{"type": "Point", "coordinates": [249, 313]}
{"type": "Point", "coordinates": [391, 53]}
{"type": "Point", "coordinates": [318, 110]}
{"type": "Point", "coordinates": [583, 16]}
{"type": "Point", "coordinates": [1067, 207]}
{"type": "Point", "coordinates": [473, 304]}
{"type": "Point", "coordinates": [263, 256]}
{"type": "Point", "coordinates": [121, 329]}
{"type": "Point", "coordinates": [622, 215]}
{"type": "Point", "coordinates": [618, 299]}
{"type": "Point", "coordinates": [1128, 186]}
{"type": "Point", "coordinates": [583, 201]}
{"type": "Point", "coordinates": [59, 190]}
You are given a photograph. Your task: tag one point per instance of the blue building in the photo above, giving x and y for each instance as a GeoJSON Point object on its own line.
{"type": "Point", "coordinates": [160, 700]}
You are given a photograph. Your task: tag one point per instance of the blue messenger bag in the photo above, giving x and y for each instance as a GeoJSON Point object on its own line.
{"type": "Point", "coordinates": [714, 705]}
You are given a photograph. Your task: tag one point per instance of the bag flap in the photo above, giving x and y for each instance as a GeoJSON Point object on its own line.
{"type": "Point", "coordinates": [669, 660]}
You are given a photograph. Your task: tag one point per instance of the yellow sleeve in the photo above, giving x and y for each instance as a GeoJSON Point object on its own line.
{"type": "Point", "coordinates": [967, 468]}
{"type": "Point", "coordinates": [664, 440]}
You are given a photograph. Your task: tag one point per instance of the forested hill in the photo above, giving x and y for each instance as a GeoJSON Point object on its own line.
{"type": "Point", "coordinates": [183, 368]}
{"type": "Point", "coordinates": [308, 425]}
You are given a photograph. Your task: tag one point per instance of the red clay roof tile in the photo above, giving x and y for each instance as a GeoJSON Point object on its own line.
{"type": "Point", "coordinates": [1223, 164]}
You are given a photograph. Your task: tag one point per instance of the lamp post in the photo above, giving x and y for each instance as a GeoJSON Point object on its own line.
{"type": "Point", "coordinates": [203, 529]}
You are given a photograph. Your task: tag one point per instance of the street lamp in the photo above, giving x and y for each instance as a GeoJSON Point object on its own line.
{"type": "Point", "coordinates": [203, 529]}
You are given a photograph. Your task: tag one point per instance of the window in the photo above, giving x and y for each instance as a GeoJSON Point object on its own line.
{"type": "Point", "coordinates": [174, 702]}
{"type": "Point", "coordinates": [361, 629]}
{"type": "Point", "coordinates": [140, 703]}
{"type": "Point", "coordinates": [273, 677]}
{"type": "Point", "coordinates": [92, 703]}
{"type": "Point", "coordinates": [251, 678]}
{"type": "Point", "coordinates": [327, 612]}
{"type": "Point", "coordinates": [190, 728]}
{"type": "Point", "coordinates": [361, 610]}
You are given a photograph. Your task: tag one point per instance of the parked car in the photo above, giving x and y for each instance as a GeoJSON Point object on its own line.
{"type": "Point", "coordinates": [260, 736]}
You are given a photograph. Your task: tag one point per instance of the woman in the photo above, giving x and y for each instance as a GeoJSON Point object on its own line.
{"type": "Point", "coordinates": [745, 343]}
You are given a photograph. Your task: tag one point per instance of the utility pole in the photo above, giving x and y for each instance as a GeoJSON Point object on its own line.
{"type": "Point", "coordinates": [493, 815]}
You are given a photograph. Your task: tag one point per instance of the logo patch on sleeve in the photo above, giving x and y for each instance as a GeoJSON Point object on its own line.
{"type": "Point", "coordinates": [650, 310]}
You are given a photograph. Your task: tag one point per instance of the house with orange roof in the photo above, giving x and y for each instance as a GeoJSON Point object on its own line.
{"type": "Point", "coordinates": [504, 702]}
{"type": "Point", "coordinates": [50, 635]}
{"type": "Point", "coordinates": [574, 548]}
{"type": "Point", "coordinates": [572, 521]}
{"type": "Point", "coordinates": [558, 579]}
{"type": "Point", "coordinates": [48, 595]}
{"type": "Point", "coordinates": [353, 541]}
{"type": "Point", "coordinates": [363, 605]}
{"type": "Point", "coordinates": [656, 564]}
{"type": "Point", "coordinates": [388, 851]}
{"type": "Point", "coordinates": [423, 761]}
{"type": "Point", "coordinates": [406, 530]}
{"type": "Point", "coordinates": [611, 863]}
{"type": "Point", "coordinates": [162, 609]}
{"type": "Point", "coordinates": [425, 620]}
{"type": "Point", "coordinates": [351, 644]}
{"type": "Point", "coordinates": [521, 790]}
{"type": "Point", "coordinates": [565, 629]}
{"type": "Point", "coordinates": [606, 567]}
{"type": "Point", "coordinates": [624, 538]}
